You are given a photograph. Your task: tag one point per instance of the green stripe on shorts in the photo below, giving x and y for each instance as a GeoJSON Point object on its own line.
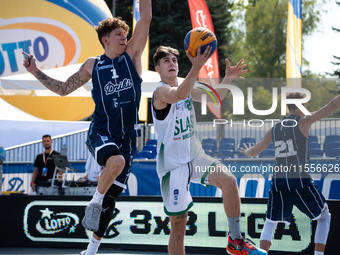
{"type": "Point", "coordinates": [178, 213]}
{"type": "Point", "coordinates": [166, 184]}
{"type": "Point", "coordinates": [207, 172]}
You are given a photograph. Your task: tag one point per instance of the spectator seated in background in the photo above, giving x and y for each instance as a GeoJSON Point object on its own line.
{"type": "Point", "coordinates": [92, 170]}
{"type": "Point", "coordinates": [44, 166]}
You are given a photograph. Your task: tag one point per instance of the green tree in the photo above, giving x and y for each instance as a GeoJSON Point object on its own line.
{"type": "Point", "coordinates": [259, 35]}
{"type": "Point", "coordinates": [322, 91]}
{"type": "Point", "coordinates": [336, 72]}
{"type": "Point", "coordinates": [171, 22]}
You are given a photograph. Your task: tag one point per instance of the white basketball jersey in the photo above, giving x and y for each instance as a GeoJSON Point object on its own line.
{"type": "Point", "coordinates": [177, 143]}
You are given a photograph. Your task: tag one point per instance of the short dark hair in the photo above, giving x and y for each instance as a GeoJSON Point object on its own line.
{"type": "Point", "coordinates": [44, 136]}
{"type": "Point", "coordinates": [162, 52]}
{"type": "Point", "coordinates": [293, 95]}
{"type": "Point", "coordinates": [106, 26]}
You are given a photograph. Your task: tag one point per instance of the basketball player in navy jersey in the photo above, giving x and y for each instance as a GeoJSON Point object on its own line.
{"type": "Point", "coordinates": [116, 78]}
{"type": "Point", "coordinates": [290, 138]}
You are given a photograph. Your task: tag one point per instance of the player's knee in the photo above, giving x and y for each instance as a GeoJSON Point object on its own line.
{"type": "Point", "coordinates": [325, 215]}
{"type": "Point", "coordinates": [321, 233]}
{"type": "Point", "coordinates": [227, 182]}
{"type": "Point", "coordinates": [222, 178]}
{"type": "Point", "coordinates": [178, 229]}
{"type": "Point", "coordinates": [115, 163]}
{"type": "Point", "coordinates": [178, 224]}
{"type": "Point", "coordinates": [325, 218]}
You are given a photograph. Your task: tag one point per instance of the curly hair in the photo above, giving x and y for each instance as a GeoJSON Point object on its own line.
{"type": "Point", "coordinates": [106, 26]}
{"type": "Point", "coordinates": [294, 95]}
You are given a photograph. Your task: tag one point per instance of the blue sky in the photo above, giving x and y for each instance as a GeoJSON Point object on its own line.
{"type": "Point", "coordinates": [320, 47]}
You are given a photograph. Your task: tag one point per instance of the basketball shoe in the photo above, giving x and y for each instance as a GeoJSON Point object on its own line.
{"type": "Point", "coordinates": [92, 217]}
{"type": "Point", "coordinates": [241, 246]}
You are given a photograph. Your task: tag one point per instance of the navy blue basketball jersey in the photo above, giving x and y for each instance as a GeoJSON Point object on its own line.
{"type": "Point", "coordinates": [116, 93]}
{"type": "Point", "coordinates": [291, 155]}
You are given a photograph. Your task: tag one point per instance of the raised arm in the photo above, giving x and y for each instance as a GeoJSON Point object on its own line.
{"type": "Point", "coordinates": [253, 151]}
{"type": "Point", "coordinates": [231, 73]}
{"type": "Point", "coordinates": [307, 122]}
{"type": "Point", "coordinates": [140, 35]}
{"type": "Point", "coordinates": [75, 81]}
{"type": "Point", "coordinates": [169, 95]}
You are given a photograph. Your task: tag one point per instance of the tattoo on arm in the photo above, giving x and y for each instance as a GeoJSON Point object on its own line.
{"type": "Point", "coordinates": [59, 87]}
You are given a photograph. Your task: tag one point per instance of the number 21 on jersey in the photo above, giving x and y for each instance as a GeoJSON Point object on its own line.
{"type": "Point", "coordinates": [284, 149]}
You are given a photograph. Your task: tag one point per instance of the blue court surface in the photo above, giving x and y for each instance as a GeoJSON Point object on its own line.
{"type": "Point", "coordinates": [58, 251]}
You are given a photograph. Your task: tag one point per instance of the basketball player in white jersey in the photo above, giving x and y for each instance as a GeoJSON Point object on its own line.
{"type": "Point", "coordinates": [180, 157]}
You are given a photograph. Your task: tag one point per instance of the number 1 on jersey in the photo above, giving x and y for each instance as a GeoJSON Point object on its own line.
{"type": "Point", "coordinates": [114, 73]}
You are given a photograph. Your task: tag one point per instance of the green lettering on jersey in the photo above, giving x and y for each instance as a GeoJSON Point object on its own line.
{"type": "Point", "coordinates": [188, 102]}
{"type": "Point", "coordinates": [182, 128]}
{"type": "Point", "coordinates": [176, 128]}
{"type": "Point", "coordinates": [192, 121]}
{"type": "Point", "coordinates": [188, 124]}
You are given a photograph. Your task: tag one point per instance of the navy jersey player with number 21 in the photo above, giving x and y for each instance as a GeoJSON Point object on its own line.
{"type": "Point", "coordinates": [291, 182]}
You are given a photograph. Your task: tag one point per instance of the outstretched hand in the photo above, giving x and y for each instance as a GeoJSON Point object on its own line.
{"type": "Point", "coordinates": [29, 63]}
{"type": "Point", "coordinates": [234, 72]}
{"type": "Point", "coordinates": [200, 58]}
{"type": "Point", "coordinates": [245, 150]}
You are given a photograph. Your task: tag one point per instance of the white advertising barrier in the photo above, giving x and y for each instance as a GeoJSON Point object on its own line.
{"type": "Point", "coordinates": [141, 222]}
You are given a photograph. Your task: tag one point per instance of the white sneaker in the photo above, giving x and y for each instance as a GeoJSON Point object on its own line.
{"type": "Point", "coordinates": [92, 217]}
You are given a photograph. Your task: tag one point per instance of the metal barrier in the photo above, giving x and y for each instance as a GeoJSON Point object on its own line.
{"type": "Point", "coordinates": [255, 129]}
{"type": "Point", "coordinates": [73, 144]}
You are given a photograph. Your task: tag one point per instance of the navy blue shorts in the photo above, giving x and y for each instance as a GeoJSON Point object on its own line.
{"type": "Point", "coordinates": [102, 147]}
{"type": "Point", "coordinates": [308, 200]}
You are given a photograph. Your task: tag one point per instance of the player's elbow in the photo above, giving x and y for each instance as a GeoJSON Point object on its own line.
{"type": "Point", "coordinates": [63, 94]}
{"type": "Point", "coordinates": [334, 104]}
{"type": "Point", "coordinates": [181, 97]}
{"type": "Point", "coordinates": [146, 17]}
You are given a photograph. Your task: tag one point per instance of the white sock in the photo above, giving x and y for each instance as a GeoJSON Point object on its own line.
{"type": "Point", "coordinates": [93, 246]}
{"type": "Point", "coordinates": [318, 253]}
{"type": "Point", "coordinates": [97, 198]}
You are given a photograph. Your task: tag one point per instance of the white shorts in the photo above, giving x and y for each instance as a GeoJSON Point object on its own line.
{"type": "Point", "coordinates": [175, 183]}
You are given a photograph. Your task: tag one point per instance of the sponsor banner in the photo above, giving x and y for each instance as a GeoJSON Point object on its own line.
{"type": "Point", "coordinates": [58, 33]}
{"type": "Point", "coordinates": [140, 223]}
{"type": "Point", "coordinates": [200, 17]}
{"type": "Point", "coordinates": [144, 222]}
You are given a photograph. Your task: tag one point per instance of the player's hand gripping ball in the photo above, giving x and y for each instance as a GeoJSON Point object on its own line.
{"type": "Point", "coordinates": [199, 36]}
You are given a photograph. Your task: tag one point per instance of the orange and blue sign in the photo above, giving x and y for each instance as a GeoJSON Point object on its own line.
{"type": "Point", "coordinates": [57, 32]}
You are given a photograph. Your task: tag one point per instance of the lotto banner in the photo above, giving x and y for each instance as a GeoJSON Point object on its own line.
{"type": "Point", "coordinates": [140, 223]}
{"type": "Point", "coordinates": [58, 33]}
{"type": "Point", "coordinates": [200, 17]}
{"type": "Point", "coordinates": [294, 44]}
